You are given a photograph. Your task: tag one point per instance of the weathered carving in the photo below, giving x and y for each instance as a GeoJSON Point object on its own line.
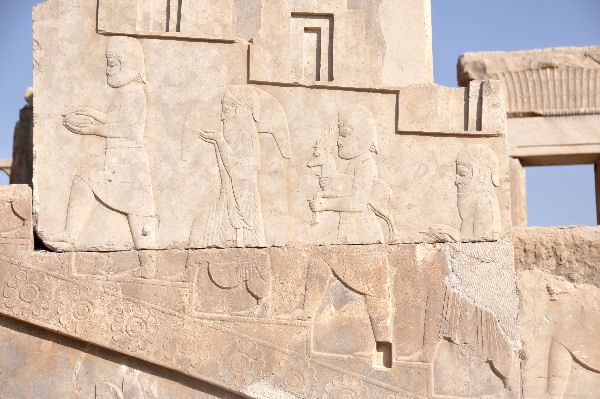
{"type": "Point", "coordinates": [477, 176]}
{"type": "Point", "coordinates": [130, 389]}
{"type": "Point", "coordinates": [346, 387]}
{"type": "Point", "coordinates": [368, 277]}
{"type": "Point", "coordinates": [242, 364]}
{"type": "Point", "coordinates": [236, 218]}
{"type": "Point", "coordinates": [359, 196]}
{"type": "Point", "coordinates": [124, 185]}
{"type": "Point", "coordinates": [243, 283]}
{"type": "Point", "coordinates": [559, 322]}
{"type": "Point", "coordinates": [5, 166]}
{"type": "Point", "coordinates": [297, 375]}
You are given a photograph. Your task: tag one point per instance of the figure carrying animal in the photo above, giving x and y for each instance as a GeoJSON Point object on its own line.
{"type": "Point", "coordinates": [323, 160]}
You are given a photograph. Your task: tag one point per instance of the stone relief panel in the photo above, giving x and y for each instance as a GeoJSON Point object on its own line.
{"type": "Point", "coordinates": [185, 154]}
{"type": "Point", "coordinates": [36, 363]}
{"type": "Point", "coordinates": [560, 322]}
{"type": "Point", "coordinates": [477, 177]}
{"type": "Point", "coordinates": [374, 320]}
{"type": "Point", "coordinates": [124, 184]}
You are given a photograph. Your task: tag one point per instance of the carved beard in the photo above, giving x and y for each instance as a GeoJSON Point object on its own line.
{"type": "Point", "coordinates": [121, 79]}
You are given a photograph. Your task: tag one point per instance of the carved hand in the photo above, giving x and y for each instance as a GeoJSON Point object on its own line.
{"type": "Point", "coordinates": [317, 204]}
{"type": "Point", "coordinates": [79, 124]}
{"type": "Point", "coordinates": [210, 135]}
{"type": "Point", "coordinates": [325, 182]}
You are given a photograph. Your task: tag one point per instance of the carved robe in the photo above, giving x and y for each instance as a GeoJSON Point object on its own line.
{"type": "Point", "coordinates": [360, 227]}
{"type": "Point", "coordinates": [125, 183]}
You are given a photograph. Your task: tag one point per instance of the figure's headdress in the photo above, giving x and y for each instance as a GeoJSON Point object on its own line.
{"type": "Point", "coordinates": [360, 118]}
{"type": "Point", "coordinates": [483, 158]}
{"type": "Point", "coordinates": [243, 98]}
{"type": "Point", "coordinates": [129, 52]}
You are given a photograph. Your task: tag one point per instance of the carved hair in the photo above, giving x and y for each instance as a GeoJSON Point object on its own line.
{"type": "Point", "coordinates": [130, 53]}
{"type": "Point", "coordinates": [482, 157]}
{"type": "Point", "coordinates": [244, 98]}
{"type": "Point", "coordinates": [361, 118]}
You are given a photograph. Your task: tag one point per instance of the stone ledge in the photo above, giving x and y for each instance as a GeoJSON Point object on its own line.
{"type": "Point", "coordinates": [570, 252]}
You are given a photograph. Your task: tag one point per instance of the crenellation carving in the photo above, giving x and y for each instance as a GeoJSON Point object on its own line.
{"type": "Point", "coordinates": [186, 19]}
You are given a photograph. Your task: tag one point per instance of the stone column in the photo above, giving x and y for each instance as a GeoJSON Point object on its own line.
{"type": "Point", "coordinates": [518, 194]}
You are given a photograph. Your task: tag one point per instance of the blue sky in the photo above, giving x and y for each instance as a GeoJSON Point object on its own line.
{"type": "Point", "coordinates": [556, 196]}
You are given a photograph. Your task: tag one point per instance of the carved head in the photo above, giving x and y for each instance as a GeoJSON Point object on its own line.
{"type": "Point", "coordinates": [477, 168]}
{"type": "Point", "coordinates": [240, 101]}
{"type": "Point", "coordinates": [357, 132]}
{"type": "Point", "coordinates": [124, 61]}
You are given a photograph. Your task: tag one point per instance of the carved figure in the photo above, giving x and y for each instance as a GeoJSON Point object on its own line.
{"type": "Point", "coordinates": [574, 343]}
{"type": "Point", "coordinates": [124, 185]}
{"type": "Point", "coordinates": [365, 272]}
{"type": "Point", "coordinates": [477, 176]}
{"type": "Point", "coordinates": [359, 196]}
{"type": "Point", "coordinates": [238, 158]}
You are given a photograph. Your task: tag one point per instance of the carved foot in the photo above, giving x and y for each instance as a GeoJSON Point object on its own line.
{"type": "Point", "coordinates": [60, 242]}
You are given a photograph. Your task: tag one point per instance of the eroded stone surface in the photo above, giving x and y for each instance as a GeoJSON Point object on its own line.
{"type": "Point", "coordinates": [569, 252]}
{"type": "Point", "coordinates": [404, 321]}
{"type": "Point", "coordinates": [386, 321]}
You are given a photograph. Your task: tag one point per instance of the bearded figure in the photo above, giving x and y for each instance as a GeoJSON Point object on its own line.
{"type": "Point", "coordinates": [124, 185]}
{"type": "Point", "coordinates": [477, 177]}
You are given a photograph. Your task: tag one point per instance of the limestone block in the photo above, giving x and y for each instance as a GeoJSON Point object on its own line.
{"type": "Point", "coordinates": [570, 252]}
{"type": "Point", "coordinates": [555, 140]}
{"type": "Point", "coordinates": [343, 43]}
{"type": "Point", "coordinates": [408, 321]}
{"type": "Point", "coordinates": [559, 325]}
{"type": "Point", "coordinates": [22, 163]}
{"type": "Point", "coordinates": [478, 109]}
{"type": "Point", "coordinates": [186, 154]}
{"type": "Point", "coordinates": [548, 82]}
{"type": "Point", "coordinates": [16, 222]}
